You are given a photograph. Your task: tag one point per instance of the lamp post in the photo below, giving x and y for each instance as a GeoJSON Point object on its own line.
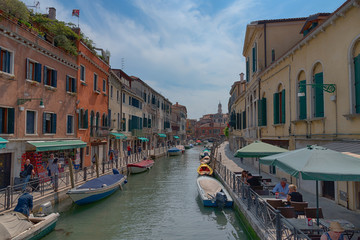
{"type": "Point", "coordinates": [21, 101]}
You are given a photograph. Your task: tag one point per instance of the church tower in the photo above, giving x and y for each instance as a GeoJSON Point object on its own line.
{"type": "Point", "coordinates": [219, 108]}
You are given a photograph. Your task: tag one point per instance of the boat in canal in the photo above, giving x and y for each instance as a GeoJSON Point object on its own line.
{"type": "Point", "coordinates": [141, 166]}
{"type": "Point", "coordinates": [213, 193]}
{"type": "Point", "coordinates": [205, 160]}
{"type": "Point", "coordinates": [16, 226]}
{"type": "Point", "coordinates": [204, 169]}
{"type": "Point", "coordinates": [205, 152]}
{"type": "Point", "coordinates": [181, 147]}
{"type": "Point", "coordinates": [97, 189]}
{"type": "Point", "coordinates": [174, 151]}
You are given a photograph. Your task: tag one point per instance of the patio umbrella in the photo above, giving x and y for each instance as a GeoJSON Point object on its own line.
{"type": "Point", "coordinates": [316, 163]}
{"type": "Point", "coordinates": [259, 149]}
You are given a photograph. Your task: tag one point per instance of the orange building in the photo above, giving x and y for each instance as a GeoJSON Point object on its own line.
{"type": "Point", "coordinates": [92, 104]}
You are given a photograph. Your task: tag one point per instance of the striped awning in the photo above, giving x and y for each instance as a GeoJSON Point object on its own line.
{"type": "Point", "coordinates": [162, 135]}
{"type": "Point", "coordinates": [3, 143]}
{"type": "Point", "coordinates": [143, 139]}
{"type": "Point", "coordinates": [42, 146]}
{"type": "Point", "coordinates": [119, 135]}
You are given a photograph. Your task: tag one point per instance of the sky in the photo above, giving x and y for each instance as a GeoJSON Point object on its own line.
{"type": "Point", "coordinates": [190, 51]}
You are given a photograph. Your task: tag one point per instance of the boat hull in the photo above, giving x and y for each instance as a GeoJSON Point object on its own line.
{"type": "Point", "coordinates": [215, 186]}
{"type": "Point", "coordinates": [141, 166]}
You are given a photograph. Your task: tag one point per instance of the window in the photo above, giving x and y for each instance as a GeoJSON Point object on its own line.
{"type": "Point", "coordinates": [104, 85]}
{"type": "Point", "coordinates": [318, 96]}
{"type": "Point", "coordinates": [95, 82]}
{"type": "Point", "coordinates": [104, 121]}
{"type": "Point", "coordinates": [49, 123]}
{"type": "Point", "coordinates": [123, 123]}
{"type": "Point", "coordinates": [302, 99]}
{"type": "Point", "coordinates": [111, 91]}
{"type": "Point", "coordinates": [33, 70]}
{"type": "Point", "coordinates": [82, 73]}
{"type": "Point", "coordinates": [118, 121]}
{"type": "Point", "coordinates": [357, 83]}
{"type": "Point", "coordinates": [70, 124]}
{"type": "Point", "coordinates": [50, 77]}
{"type": "Point", "coordinates": [272, 55]}
{"type": "Point", "coordinates": [262, 112]}
{"type": "Point", "coordinates": [70, 84]}
{"type": "Point", "coordinates": [83, 119]}
{"type": "Point", "coordinates": [31, 122]}
{"type": "Point", "coordinates": [7, 118]}
{"type": "Point", "coordinates": [254, 58]}
{"type": "Point", "coordinates": [279, 107]}
{"type": "Point", "coordinates": [117, 95]}
{"type": "Point", "coordinates": [247, 70]}
{"type": "Point", "coordinates": [124, 97]}
{"type": "Point", "coordinates": [5, 61]}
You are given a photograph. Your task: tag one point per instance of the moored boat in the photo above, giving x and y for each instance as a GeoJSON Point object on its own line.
{"type": "Point", "coordinates": [204, 169]}
{"type": "Point", "coordinates": [16, 226]}
{"type": "Point", "coordinates": [213, 193]}
{"type": "Point", "coordinates": [98, 188]}
{"type": "Point", "coordinates": [174, 151]}
{"type": "Point", "coordinates": [181, 147]}
{"type": "Point", "coordinates": [204, 153]}
{"type": "Point", "coordinates": [141, 166]}
{"type": "Point", "coordinates": [187, 146]}
{"type": "Point", "coordinates": [205, 160]}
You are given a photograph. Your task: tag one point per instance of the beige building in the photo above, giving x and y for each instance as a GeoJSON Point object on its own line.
{"type": "Point", "coordinates": [307, 88]}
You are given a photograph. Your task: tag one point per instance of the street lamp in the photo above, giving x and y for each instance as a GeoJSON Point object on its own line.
{"type": "Point", "coordinates": [21, 101]}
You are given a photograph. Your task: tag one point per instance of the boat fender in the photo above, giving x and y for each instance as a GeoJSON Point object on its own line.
{"type": "Point", "coordinates": [115, 171]}
{"type": "Point", "coordinates": [125, 182]}
{"type": "Point", "coordinates": [104, 185]}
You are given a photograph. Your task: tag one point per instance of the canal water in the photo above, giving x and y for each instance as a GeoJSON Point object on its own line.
{"type": "Point", "coordinates": [162, 203]}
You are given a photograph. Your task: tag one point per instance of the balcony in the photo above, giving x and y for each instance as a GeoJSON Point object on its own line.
{"type": "Point", "coordinates": [99, 131]}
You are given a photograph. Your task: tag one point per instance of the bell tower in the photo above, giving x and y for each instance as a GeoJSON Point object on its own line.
{"type": "Point", "coordinates": [219, 108]}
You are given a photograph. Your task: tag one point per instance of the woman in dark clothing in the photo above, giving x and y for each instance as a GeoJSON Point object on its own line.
{"type": "Point", "coordinates": [293, 195]}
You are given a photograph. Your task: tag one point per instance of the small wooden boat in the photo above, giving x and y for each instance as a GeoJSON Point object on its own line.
{"type": "Point", "coordinates": [205, 160]}
{"type": "Point", "coordinates": [174, 151]}
{"type": "Point", "coordinates": [97, 188]}
{"type": "Point", "coordinates": [15, 225]}
{"type": "Point", "coordinates": [213, 193]}
{"type": "Point", "coordinates": [204, 153]}
{"type": "Point", "coordinates": [204, 169]}
{"type": "Point", "coordinates": [141, 166]}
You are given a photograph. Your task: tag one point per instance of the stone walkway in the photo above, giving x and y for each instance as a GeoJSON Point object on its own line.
{"type": "Point", "coordinates": [330, 209]}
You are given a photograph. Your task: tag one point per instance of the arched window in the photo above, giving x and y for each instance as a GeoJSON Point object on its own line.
{"type": "Point", "coordinates": [279, 105]}
{"type": "Point", "coordinates": [97, 121]}
{"type": "Point", "coordinates": [318, 92]}
{"type": "Point", "coordinates": [92, 116]}
{"type": "Point", "coordinates": [302, 109]}
{"type": "Point", "coordinates": [103, 123]}
{"type": "Point", "coordinates": [355, 81]}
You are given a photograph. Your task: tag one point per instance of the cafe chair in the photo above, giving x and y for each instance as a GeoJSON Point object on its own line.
{"type": "Point", "coordinates": [311, 212]}
{"type": "Point", "coordinates": [257, 188]}
{"type": "Point", "coordinates": [275, 203]}
{"type": "Point", "coordinates": [287, 212]}
{"type": "Point", "coordinates": [299, 207]}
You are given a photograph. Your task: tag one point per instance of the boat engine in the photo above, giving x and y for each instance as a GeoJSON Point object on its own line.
{"type": "Point", "coordinates": [220, 199]}
{"type": "Point", "coordinates": [44, 210]}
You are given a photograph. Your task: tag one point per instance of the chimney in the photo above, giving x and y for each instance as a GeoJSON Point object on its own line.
{"type": "Point", "coordinates": [242, 77]}
{"type": "Point", "coordinates": [52, 13]}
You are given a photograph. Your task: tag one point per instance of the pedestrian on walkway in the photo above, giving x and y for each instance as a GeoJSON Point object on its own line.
{"type": "Point", "coordinates": [49, 163]}
{"type": "Point", "coordinates": [335, 233]}
{"type": "Point", "coordinates": [25, 203]}
{"type": "Point", "coordinates": [129, 150]}
{"type": "Point", "coordinates": [282, 188]}
{"type": "Point", "coordinates": [28, 172]}
{"type": "Point", "coordinates": [54, 168]}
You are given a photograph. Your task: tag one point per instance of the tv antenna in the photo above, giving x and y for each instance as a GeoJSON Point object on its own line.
{"type": "Point", "coordinates": [122, 63]}
{"type": "Point", "coordinates": [36, 6]}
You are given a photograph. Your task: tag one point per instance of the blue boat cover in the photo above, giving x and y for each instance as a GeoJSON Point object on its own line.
{"type": "Point", "coordinates": [174, 149]}
{"type": "Point", "coordinates": [99, 182]}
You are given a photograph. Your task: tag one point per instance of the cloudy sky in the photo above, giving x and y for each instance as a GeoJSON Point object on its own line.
{"type": "Point", "coordinates": [188, 50]}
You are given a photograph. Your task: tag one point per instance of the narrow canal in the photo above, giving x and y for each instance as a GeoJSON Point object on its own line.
{"type": "Point", "coordinates": [162, 203]}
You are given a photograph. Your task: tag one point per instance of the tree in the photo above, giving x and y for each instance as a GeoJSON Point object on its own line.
{"type": "Point", "coordinates": [15, 8]}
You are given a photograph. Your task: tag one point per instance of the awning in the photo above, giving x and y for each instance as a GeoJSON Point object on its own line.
{"type": "Point", "coordinates": [143, 139]}
{"type": "Point", "coordinates": [119, 135]}
{"type": "Point", "coordinates": [42, 146]}
{"type": "Point", "coordinates": [161, 135]}
{"type": "Point", "coordinates": [176, 137]}
{"type": "Point", "coordinates": [3, 143]}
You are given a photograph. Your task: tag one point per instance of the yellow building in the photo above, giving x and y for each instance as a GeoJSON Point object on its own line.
{"type": "Point", "coordinates": [307, 73]}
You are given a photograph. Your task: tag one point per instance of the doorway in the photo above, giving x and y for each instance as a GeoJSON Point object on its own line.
{"type": "Point", "coordinates": [328, 189]}
{"type": "Point", "coordinates": [5, 168]}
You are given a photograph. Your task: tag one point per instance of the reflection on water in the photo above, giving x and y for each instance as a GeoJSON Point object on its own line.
{"type": "Point", "coordinates": [162, 203]}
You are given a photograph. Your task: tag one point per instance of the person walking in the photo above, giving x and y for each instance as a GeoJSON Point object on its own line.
{"type": "Point", "coordinates": [54, 168]}
{"type": "Point", "coordinates": [28, 172]}
{"type": "Point", "coordinates": [49, 163]}
{"type": "Point", "coordinates": [129, 150]}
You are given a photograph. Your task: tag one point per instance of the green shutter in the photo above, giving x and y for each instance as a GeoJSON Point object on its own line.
{"type": "Point", "coordinates": [54, 78]}
{"type": "Point", "coordinates": [247, 70]}
{"type": "Point", "coordinates": [73, 80]}
{"type": "Point", "coordinates": [38, 72]}
{"type": "Point", "coordinates": [276, 107]}
{"type": "Point", "coordinates": [283, 114]}
{"type": "Point", "coordinates": [263, 111]}
{"type": "Point", "coordinates": [86, 119]}
{"type": "Point", "coordinates": [79, 118]}
{"type": "Point", "coordinates": [240, 121]}
{"type": "Point", "coordinates": [53, 123]}
{"type": "Point", "coordinates": [67, 83]}
{"type": "Point", "coordinates": [259, 103]}
{"type": "Point", "coordinates": [45, 75]}
{"type": "Point", "coordinates": [27, 69]}
{"type": "Point", "coordinates": [244, 119]}
{"type": "Point", "coordinates": [357, 83]}
{"type": "Point", "coordinates": [302, 100]}
{"type": "Point", "coordinates": [11, 120]}
{"type": "Point", "coordinates": [319, 95]}
{"type": "Point", "coordinates": [253, 59]}
{"type": "Point", "coordinates": [44, 122]}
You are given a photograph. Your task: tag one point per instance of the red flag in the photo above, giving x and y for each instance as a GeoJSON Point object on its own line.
{"type": "Point", "coordinates": [76, 12]}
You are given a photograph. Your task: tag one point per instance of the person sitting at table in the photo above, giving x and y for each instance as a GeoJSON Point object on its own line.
{"type": "Point", "coordinates": [244, 175]}
{"type": "Point", "coordinates": [335, 233]}
{"type": "Point", "coordinates": [293, 195]}
{"type": "Point", "coordinates": [282, 188]}
{"type": "Point", "coordinates": [252, 181]}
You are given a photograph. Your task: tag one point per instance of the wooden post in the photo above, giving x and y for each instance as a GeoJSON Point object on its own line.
{"type": "Point", "coordinates": [71, 173]}
{"type": "Point", "coordinates": [97, 165]}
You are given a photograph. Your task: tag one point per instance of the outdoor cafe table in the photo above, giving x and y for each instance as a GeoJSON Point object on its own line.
{"type": "Point", "coordinates": [346, 225]}
{"type": "Point", "coordinates": [301, 224]}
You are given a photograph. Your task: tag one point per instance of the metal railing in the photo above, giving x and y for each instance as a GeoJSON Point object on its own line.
{"type": "Point", "coordinates": [274, 224]}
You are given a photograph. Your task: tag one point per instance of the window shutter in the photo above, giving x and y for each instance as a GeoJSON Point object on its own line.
{"type": "Point", "coordinates": [129, 127]}
{"type": "Point", "coordinates": [141, 123]}
{"type": "Point", "coordinates": [276, 107]}
{"type": "Point", "coordinates": [74, 84]}
{"type": "Point", "coordinates": [11, 120]}
{"type": "Point", "coordinates": [283, 114]}
{"type": "Point", "coordinates": [259, 112]}
{"type": "Point", "coordinates": [54, 78]}
{"type": "Point", "coordinates": [253, 59]}
{"type": "Point", "coordinates": [240, 121]}
{"type": "Point", "coordinates": [319, 95]}
{"type": "Point", "coordinates": [7, 62]}
{"type": "Point", "coordinates": [244, 120]}
{"type": "Point", "coordinates": [247, 70]}
{"type": "Point", "coordinates": [357, 83]}
{"type": "Point", "coordinates": [109, 123]}
{"type": "Point", "coordinates": [79, 118]}
{"type": "Point", "coordinates": [45, 75]}
{"type": "Point", "coordinates": [27, 69]}
{"type": "Point", "coordinates": [68, 124]}
{"type": "Point", "coordinates": [67, 83]}
{"type": "Point", "coordinates": [53, 123]}
{"type": "Point", "coordinates": [263, 111]}
{"type": "Point", "coordinates": [86, 119]}
{"type": "Point", "coordinates": [149, 124]}
{"type": "Point", "coordinates": [38, 72]}
{"type": "Point", "coordinates": [302, 100]}
{"type": "Point", "coordinates": [1, 116]}
{"type": "Point", "coordinates": [44, 122]}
